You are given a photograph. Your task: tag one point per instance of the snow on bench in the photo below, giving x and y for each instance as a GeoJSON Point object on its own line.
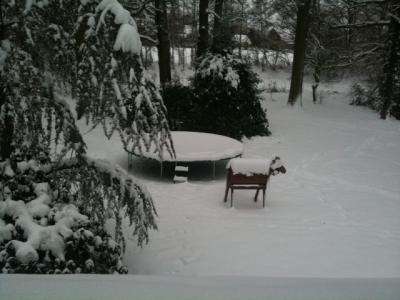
{"type": "Point", "coordinates": [246, 173]}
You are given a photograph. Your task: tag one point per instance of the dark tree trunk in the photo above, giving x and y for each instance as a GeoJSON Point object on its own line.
{"type": "Point", "coordinates": [6, 133]}
{"type": "Point", "coordinates": [316, 76]}
{"type": "Point", "coordinates": [164, 52]}
{"type": "Point", "coordinates": [202, 44]}
{"type": "Point", "coordinates": [302, 24]}
{"type": "Point", "coordinates": [317, 60]}
{"type": "Point", "coordinates": [217, 22]}
{"type": "Point", "coordinates": [351, 20]}
{"type": "Point", "coordinates": [392, 63]}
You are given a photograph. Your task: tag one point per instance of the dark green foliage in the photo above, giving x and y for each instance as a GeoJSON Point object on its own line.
{"type": "Point", "coordinates": [223, 41]}
{"type": "Point", "coordinates": [223, 98]}
{"type": "Point", "coordinates": [228, 98]}
{"type": "Point", "coordinates": [180, 101]}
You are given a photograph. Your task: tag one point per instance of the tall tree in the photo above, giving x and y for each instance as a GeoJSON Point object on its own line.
{"type": "Point", "coordinates": [218, 9]}
{"type": "Point", "coordinates": [377, 28]}
{"type": "Point", "coordinates": [300, 43]}
{"type": "Point", "coordinates": [163, 46]}
{"type": "Point", "coordinates": [390, 85]}
{"type": "Point", "coordinates": [243, 4]}
{"type": "Point", "coordinates": [202, 44]}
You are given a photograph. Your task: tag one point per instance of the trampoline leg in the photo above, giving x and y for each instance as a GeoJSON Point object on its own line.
{"type": "Point", "coordinates": [129, 160]}
{"type": "Point", "coordinates": [214, 169]}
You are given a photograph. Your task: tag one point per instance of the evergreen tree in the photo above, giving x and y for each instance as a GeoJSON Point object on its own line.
{"type": "Point", "coordinates": [228, 97]}
{"type": "Point", "coordinates": [94, 48]}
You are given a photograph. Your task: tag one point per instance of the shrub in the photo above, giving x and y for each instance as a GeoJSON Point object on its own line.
{"type": "Point", "coordinates": [180, 101]}
{"type": "Point", "coordinates": [227, 97]}
{"type": "Point", "coordinates": [368, 97]}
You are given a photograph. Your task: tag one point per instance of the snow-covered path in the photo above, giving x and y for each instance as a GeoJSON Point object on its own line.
{"type": "Point", "coordinates": [336, 213]}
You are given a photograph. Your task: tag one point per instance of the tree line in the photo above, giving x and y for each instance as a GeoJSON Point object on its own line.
{"type": "Point", "coordinates": [328, 38]}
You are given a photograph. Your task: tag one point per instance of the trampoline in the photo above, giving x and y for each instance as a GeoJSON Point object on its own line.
{"type": "Point", "coordinates": [193, 146]}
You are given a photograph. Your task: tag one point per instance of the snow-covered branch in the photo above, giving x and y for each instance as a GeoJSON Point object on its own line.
{"type": "Point", "coordinates": [369, 2]}
{"type": "Point", "coordinates": [361, 25]}
{"type": "Point", "coordinates": [146, 37]}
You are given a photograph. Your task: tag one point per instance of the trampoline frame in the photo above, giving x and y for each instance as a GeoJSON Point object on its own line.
{"type": "Point", "coordinates": [183, 161]}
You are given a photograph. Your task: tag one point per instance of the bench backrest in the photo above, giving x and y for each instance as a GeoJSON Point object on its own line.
{"type": "Point", "coordinates": [275, 167]}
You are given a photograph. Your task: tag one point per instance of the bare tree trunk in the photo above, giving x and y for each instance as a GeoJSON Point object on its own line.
{"type": "Point", "coordinates": [351, 16]}
{"type": "Point", "coordinates": [257, 58]}
{"type": "Point", "coordinates": [317, 64]}
{"type": "Point", "coordinates": [6, 133]}
{"type": "Point", "coordinates": [174, 53]}
{"type": "Point", "coordinates": [264, 61]}
{"type": "Point", "coordinates": [181, 55]}
{"type": "Point", "coordinates": [219, 4]}
{"type": "Point", "coordinates": [316, 75]}
{"type": "Point", "coordinates": [242, 3]}
{"type": "Point", "coordinates": [392, 61]}
{"type": "Point", "coordinates": [202, 44]}
{"type": "Point", "coordinates": [192, 56]}
{"type": "Point", "coordinates": [164, 52]}
{"type": "Point", "coordinates": [296, 83]}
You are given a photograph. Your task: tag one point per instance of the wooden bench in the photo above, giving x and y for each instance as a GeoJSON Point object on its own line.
{"type": "Point", "coordinates": [251, 174]}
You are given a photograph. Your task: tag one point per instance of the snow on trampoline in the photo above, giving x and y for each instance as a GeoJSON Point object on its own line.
{"type": "Point", "coordinates": [198, 146]}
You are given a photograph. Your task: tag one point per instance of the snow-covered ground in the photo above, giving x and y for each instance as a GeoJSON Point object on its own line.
{"type": "Point", "coordinates": [335, 213]}
{"type": "Point", "coordinates": [331, 228]}
{"type": "Point", "coordinates": [129, 287]}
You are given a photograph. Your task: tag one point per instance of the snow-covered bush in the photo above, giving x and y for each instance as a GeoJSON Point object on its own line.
{"type": "Point", "coordinates": [53, 209]}
{"type": "Point", "coordinates": [364, 96]}
{"type": "Point", "coordinates": [228, 97]}
{"type": "Point", "coordinates": [46, 228]}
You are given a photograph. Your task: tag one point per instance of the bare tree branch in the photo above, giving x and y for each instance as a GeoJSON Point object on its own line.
{"type": "Point", "coordinates": [361, 25]}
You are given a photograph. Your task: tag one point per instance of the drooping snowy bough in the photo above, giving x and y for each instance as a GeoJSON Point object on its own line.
{"type": "Point", "coordinates": [115, 90]}
{"type": "Point", "coordinates": [53, 209]}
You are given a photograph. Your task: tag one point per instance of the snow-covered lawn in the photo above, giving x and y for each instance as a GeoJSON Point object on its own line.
{"type": "Point", "coordinates": [334, 216]}
{"type": "Point", "coordinates": [335, 213]}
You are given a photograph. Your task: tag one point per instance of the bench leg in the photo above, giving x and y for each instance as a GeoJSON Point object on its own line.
{"type": "Point", "coordinates": [256, 195]}
{"type": "Point", "coordinates": [226, 193]}
{"type": "Point", "coordinates": [231, 196]}
{"type": "Point", "coordinates": [264, 197]}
